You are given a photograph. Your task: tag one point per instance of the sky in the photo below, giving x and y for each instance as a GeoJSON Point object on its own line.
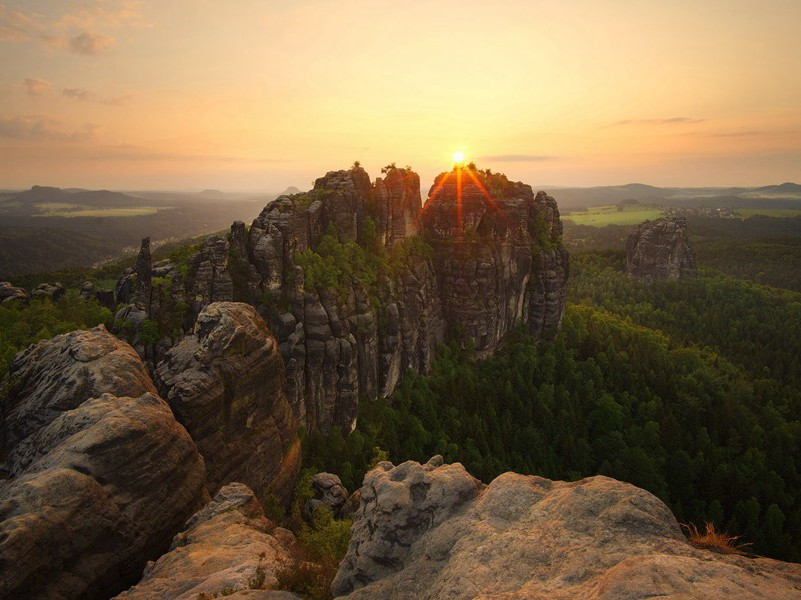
{"type": "Point", "coordinates": [246, 95]}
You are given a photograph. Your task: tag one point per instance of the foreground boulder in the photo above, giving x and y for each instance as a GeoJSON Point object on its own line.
{"type": "Point", "coordinates": [226, 385]}
{"type": "Point", "coordinates": [101, 474]}
{"type": "Point", "coordinates": [660, 249]}
{"type": "Point", "coordinates": [223, 550]}
{"type": "Point", "coordinates": [433, 531]}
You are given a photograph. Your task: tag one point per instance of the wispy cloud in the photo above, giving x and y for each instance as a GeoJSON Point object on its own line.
{"type": "Point", "coordinates": [735, 134]}
{"type": "Point", "coordinates": [36, 87]}
{"type": "Point", "coordinates": [128, 152]}
{"type": "Point", "coordinates": [42, 127]}
{"type": "Point", "coordinates": [516, 157]}
{"type": "Point", "coordinates": [75, 31]}
{"type": "Point", "coordinates": [668, 121]}
{"type": "Point", "coordinates": [87, 96]}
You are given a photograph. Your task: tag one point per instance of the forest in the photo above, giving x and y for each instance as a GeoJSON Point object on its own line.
{"type": "Point", "coordinates": [688, 389]}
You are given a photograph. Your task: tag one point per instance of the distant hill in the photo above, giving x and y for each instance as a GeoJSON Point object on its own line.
{"type": "Point", "coordinates": [28, 249]}
{"type": "Point", "coordinates": [99, 198]}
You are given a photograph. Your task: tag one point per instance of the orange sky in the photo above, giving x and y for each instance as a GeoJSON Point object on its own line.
{"type": "Point", "coordinates": [259, 95]}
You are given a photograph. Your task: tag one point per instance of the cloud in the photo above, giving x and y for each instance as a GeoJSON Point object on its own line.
{"type": "Point", "coordinates": [36, 87]}
{"type": "Point", "coordinates": [16, 26]}
{"type": "Point", "coordinates": [41, 127]}
{"type": "Point", "coordinates": [90, 44]}
{"type": "Point", "coordinates": [129, 152]}
{"type": "Point", "coordinates": [736, 134]}
{"type": "Point", "coordinates": [516, 158]}
{"type": "Point", "coordinates": [668, 121]}
{"type": "Point", "coordinates": [87, 96]}
{"type": "Point", "coordinates": [73, 31]}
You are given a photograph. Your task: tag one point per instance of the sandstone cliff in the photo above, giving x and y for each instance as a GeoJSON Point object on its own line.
{"type": "Point", "coordinates": [433, 531]}
{"type": "Point", "coordinates": [225, 383]}
{"type": "Point", "coordinates": [101, 474]}
{"type": "Point", "coordinates": [481, 259]}
{"type": "Point", "coordinates": [660, 249]}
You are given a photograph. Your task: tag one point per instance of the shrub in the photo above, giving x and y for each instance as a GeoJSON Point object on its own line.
{"type": "Point", "coordinates": [716, 541]}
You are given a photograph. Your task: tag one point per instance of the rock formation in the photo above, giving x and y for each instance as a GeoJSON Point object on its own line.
{"type": "Point", "coordinates": [328, 491]}
{"type": "Point", "coordinates": [50, 291]}
{"type": "Point", "coordinates": [475, 268]}
{"type": "Point", "coordinates": [433, 531]}
{"type": "Point", "coordinates": [10, 293]}
{"type": "Point", "coordinates": [660, 249]}
{"type": "Point", "coordinates": [225, 383]}
{"type": "Point", "coordinates": [224, 550]}
{"type": "Point", "coordinates": [101, 474]}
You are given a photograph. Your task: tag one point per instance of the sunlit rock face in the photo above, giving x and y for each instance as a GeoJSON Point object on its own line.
{"type": "Point", "coordinates": [498, 256]}
{"type": "Point", "coordinates": [425, 532]}
{"type": "Point", "coordinates": [660, 249]}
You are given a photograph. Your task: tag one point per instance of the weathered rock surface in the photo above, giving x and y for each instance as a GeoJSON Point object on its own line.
{"type": "Point", "coordinates": [432, 531]}
{"type": "Point", "coordinates": [328, 491]}
{"type": "Point", "coordinates": [497, 256]}
{"type": "Point", "coordinates": [101, 474]}
{"type": "Point", "coordinates": [660, 249]}
{"type": "Point", "coordinates": [224, 548]}
{"type": "Point", "coordinates": [225, 383]}
{"type": "Point", "coordinates": [500, 266]}
{"type": "Point", "coordinates": [10, 293]}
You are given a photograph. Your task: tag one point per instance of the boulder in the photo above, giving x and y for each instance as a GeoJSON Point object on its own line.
{"type": "Point", "coordinates": [328, 491]}
{"type": "Point", "coordinates": [10, 293]}
{"type": "Point", "coordinates": [432, 531]}
{"type": "Point", "coordinates": [50, 291]}
{"type": "Point", "coordinates": [223, 550]}
{"type": "Point", "coordinates": [101, 474]}
{"type": "Point", "coordinates": [660, 249]}
{"type": "Point", "coordinates": [225, 383]}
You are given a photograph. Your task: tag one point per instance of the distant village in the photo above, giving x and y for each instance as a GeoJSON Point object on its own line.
{"type": "Point", "coordinates": [683, 211]}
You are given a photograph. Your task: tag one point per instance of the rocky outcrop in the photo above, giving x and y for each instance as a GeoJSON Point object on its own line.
{"type": "Point", "coordinates": [224, 550]}
{"type": "Point", "coordinates": [50, 291]}
{"type": "Point", "coordinates": [327, 490]}
{"type": "Point", "coordinates": [225, 383]}
{"type": "Point", "coordinates": [101, 474]}
{"type": "Point", "coordinates": [10, 293]}
{"type": "Point", "coordinates": [660, 249]}
{"type": "Point", "coordinates": [498, 256]}
{"type": "Point", "coordinates": [433, 531]}
{"type": "Point", "coordinates": [478, 261]}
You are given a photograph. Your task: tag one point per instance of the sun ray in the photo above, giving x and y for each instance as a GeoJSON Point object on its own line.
{"type": "Point", "coordinates": [490, 200]}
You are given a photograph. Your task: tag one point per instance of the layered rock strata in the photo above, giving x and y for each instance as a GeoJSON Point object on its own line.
{"type": "Point", "coordinates": [101, 475]}
{"type": "Point", "coordinates": [225, 383]}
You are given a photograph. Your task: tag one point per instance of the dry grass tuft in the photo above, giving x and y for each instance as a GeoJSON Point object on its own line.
{"type": "Point", "coordinates": [716, 541]}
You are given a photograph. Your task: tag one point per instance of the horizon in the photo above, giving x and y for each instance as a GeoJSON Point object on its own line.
{"type": "Point", "coordinates": [128, 94]}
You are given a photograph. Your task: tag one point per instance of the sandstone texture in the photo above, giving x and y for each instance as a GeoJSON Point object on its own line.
{"type": "Point", "coordinates": [225, 383]}
{"type": "Point", "coordinates": [101, 475]}
{"type": "Point", "coordinates": [660, 249]}
{"type": "Point", "coordinates": [433, 531]}
{"type": "Point", "coordinates": [471, 265]}
{"type": "Point", "coordinates": [224, 550]}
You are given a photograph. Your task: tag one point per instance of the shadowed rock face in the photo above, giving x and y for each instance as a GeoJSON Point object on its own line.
{"type": "Point", "coordinates": [498, 256]}
{"type": "Point", "coordinates": [504, 267]}
{"type": "Point", "coordinates": [433, 531]}
{"type": "Point", "coordinates": [226, 385]}
{"type": "Point", "coordinates": [660, 249]}
{"type": "Point", "coordinates": [101, 473]}
{"type": "Point", "coordinates": [221, 549]}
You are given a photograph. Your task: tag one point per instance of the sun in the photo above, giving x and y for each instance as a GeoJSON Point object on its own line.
{"type": "Point", "coordinates": [458, 157]}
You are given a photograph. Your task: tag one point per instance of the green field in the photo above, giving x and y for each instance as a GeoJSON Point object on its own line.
{"type": "Point", "coordinates": [601, 216]}
{"type": "Point", "coordinates": [770, 212]}
{"type": "Point", "coordinates": [62, 209]}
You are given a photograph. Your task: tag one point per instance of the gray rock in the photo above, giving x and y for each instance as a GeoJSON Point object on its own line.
{"type": "Point", "coordinates": [660, 249]}
{"type": "Point", "coordinates": [225, 383]}
{"type": "Point", "coordinates": [102, 475]}
{"type": "Point", "coordinates": [50, 291]}
{"type": "Point", "coordinates": [328, 491]}
{"type": "Point", "coordinates": [10, 293]}
{"type": "Point", "coordinates": [432, 531]}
